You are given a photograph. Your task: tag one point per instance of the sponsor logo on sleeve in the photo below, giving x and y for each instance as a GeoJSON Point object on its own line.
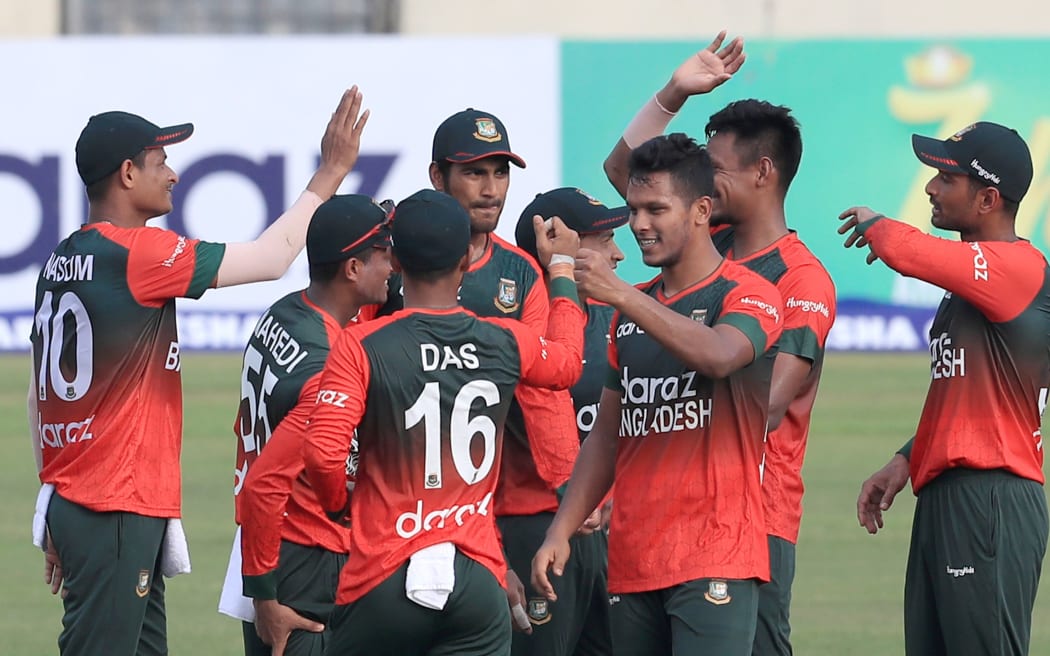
{"type": "Point", "coordinates": [769, 309]}
{"type": "Point", "coordinates": [806, 305]}
{"type": "Point", "coordinates": [180, 246]}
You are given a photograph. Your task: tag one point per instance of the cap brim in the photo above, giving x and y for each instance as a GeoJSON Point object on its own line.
{"type": "Point", "coordinates": [933, 152]}
{"type": "Point", "coordinates": [465, 158]}
{"type": "Point", "coordinates": [172, 135]}
{"type": "Point", "coordinates": [613, 218]}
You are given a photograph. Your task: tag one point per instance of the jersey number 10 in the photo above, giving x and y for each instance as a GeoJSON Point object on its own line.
{"type": "Point", "coordinates": [50, 323]}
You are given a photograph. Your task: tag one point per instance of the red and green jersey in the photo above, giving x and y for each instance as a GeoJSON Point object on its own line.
{"type": "Point", "coordinates": [809, 312]}
{"type": "Point", "coordinates": [427, 392]}
{"type": "Point", "coordinates": [288, 346]}
{"type": "Point", "coordinates": [107, 368]}
{"type": "Point", "coordinates": [541, 440]}
{"type": "Point", "coordinates": [989, 350]}
{"type": "Point", "coordinates": [274, 500]}
{"type": "Point", "coordinates": [587, 392]}
{"type": "Point", "coordinates": [688, 482]}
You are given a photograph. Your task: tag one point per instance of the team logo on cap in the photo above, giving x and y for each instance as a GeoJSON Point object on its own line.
{"type": "Point", "coordinates": [698, 315]}
{"type": "Point", "coordinates": [142, 589]}
{"type": "Point", "coordinates": [590, 199]}
{"type": "Point", "coordinates": [485, 130]}
{"type": "Point", "coordinates": [718, 593]}
{"type": "Point", "coordinates": [958, 135]}
{"type": "Point", "coordinates": [507, 296]}
{"type": "Point", "coordinates": [539, 610]}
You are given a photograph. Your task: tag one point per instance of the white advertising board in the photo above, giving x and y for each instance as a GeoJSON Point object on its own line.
{"type": "Point", "coordinates": [259, 106]}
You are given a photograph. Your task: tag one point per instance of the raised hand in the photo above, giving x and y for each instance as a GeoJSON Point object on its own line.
{"type": "Point", "coordinates": [707, 69]}
{"type": "Point", "coordinates": [340, 144]}
{"type": "Point", "coordinates": [595, 278]}
{"type": "Point", "coordinates": [854, 221]}
{"type": "Point", "coordinates": [553, 237]}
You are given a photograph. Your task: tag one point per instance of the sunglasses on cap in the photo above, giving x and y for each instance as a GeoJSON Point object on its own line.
{"type": "Point", "coordinates": [377, 230]}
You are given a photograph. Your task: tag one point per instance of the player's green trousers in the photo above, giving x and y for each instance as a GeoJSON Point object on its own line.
{"type": "Point", "coordinates": [705, 616]}
{"type": "Point", "coordinates": [773, 631]}
{"type": "Point", "coordinates": [114, 603]}
{"type": "Point", "coordinates": [384, 622]}
{"type": "Point", "coordinates": [307, 578]}
{"type": "Point", "coordinates": [977, 549]}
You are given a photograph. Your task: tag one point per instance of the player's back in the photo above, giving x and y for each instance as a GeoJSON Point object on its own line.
{"type": "Point", "coordinates": [287, 347]}
{"type": "Point", "coordinates": [440, 383]}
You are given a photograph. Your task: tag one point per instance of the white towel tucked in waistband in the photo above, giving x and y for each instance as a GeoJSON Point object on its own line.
{"type": "Point", "coordinates": [431, 575]}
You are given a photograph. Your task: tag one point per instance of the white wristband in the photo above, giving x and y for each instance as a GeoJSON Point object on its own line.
{"type": "Point", "coordinates": [558, 258]}
{"type": "Point", "coordinates": [650, 121]}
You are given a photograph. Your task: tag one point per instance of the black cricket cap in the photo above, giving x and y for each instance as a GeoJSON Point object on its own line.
{"type": "Point", "coordinates": [577, 209]}
{"type": "Point", "coordinates": [343, 226]}
{"type": "Point", "coordinates": [471, 135]}
{"type": "Point", "coordinates": [992, 154]}
{"type": "Point", "coordinates": [431, 232]}
{"type": "Point", "coordinates": [112, 137]}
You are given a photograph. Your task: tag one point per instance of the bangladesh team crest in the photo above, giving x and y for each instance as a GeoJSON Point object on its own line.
{"type": "Point", "coordinates": [485, 130]}
{"type": "Point", "coordinates": [142, 588]}
{"type": "Point", "coordinates": [699, 315]}
{"type": "Point", "coordinates": [718, 593]}
{"type": "Point", "coordinates": [507, 296]}
{"type": "Point", "coordinates": [539, 611]}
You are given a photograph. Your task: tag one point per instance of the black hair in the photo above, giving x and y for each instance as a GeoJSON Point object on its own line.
{"type": "Point", "coordinates": [687, 162]}
{"type": "Point", "coordinates": [762, 130]}
{"type": "Point", "coordinates": [1009, 206]}
{"type": "Point", "coordinates": [431, 275]}
{"type": "Point", "coordinates": [97, 190]}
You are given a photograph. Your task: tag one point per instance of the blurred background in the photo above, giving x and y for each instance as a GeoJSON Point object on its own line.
{"type": "Point", "coordinates": [259, 80]}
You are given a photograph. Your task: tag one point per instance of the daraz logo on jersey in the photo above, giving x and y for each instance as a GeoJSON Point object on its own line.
{"type": "Point", "coordinates": [661, 404]}
{"type": "Point", "coordinates": [412, 523]}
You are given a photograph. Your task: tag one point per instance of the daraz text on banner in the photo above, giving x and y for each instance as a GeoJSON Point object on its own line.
{"type": "Point", "coordinates": [259, 106]}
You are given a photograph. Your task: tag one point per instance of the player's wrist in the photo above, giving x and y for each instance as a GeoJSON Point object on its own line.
{"type": "Point", "coordinates": [650, 121]}
{"type": "Point", "coordinates": [563, 286]}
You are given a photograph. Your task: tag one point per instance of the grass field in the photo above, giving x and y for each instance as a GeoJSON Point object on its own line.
{"type": "Point", "coordinates": [848, 589]}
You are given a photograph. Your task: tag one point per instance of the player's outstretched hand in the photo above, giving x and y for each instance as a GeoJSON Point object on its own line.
{"type": "Point", "coordinates": [340, 144]}
{"type": "Point", "coordinates": [551, 557]}
{"type": "Point", "coordinates": [709, 68]}
{"type": "Point", "coordinates": [853, 219]}
{"type": "Point", "coordinates": [274, 622]}
{"type": "Point", "coordinates": [877, 493]}
{"type": "Point", "coordinates": [595, 278]}
{"type": "Point", "coordinates": [519, 619]}
{"type": "Point", "coordinates": [53, 568]}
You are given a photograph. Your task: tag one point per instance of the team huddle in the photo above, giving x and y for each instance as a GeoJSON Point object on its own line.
{"type": "Point", "coordinates": [451, 444]}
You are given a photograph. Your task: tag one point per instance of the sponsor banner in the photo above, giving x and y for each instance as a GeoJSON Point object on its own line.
{"type": "Point", "coordinates": [259, 105]}
{"type": "Point", "coordinates": [856, 130]}
{"type": "Point", "coordinates": [862, 325]}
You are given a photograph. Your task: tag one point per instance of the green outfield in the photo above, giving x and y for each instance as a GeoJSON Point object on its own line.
{"type": "Point", "coordinates": [848, 591]}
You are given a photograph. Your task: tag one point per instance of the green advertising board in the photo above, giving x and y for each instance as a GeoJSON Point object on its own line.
{"type": "Point", "coordinates": [858, 102]}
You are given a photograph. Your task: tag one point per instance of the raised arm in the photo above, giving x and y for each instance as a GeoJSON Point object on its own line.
{"type": "Point", "coordinates": [999, 279]}
{"type": "Point", "coordinates": [699, 74]}
{"type": "Point", "coordinates": [749, 325]}
{"type": "Point", "coordinates": [269, 256]}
